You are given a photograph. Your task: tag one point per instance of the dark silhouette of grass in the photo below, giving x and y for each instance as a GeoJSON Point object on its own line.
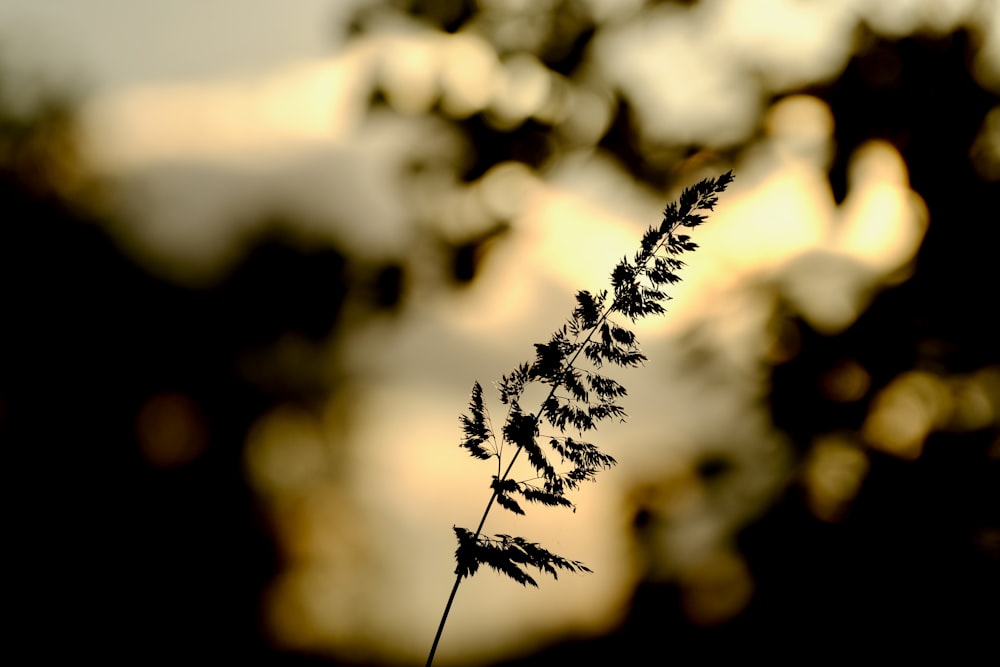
{"type": "Point", "coordinates": [578, 398]}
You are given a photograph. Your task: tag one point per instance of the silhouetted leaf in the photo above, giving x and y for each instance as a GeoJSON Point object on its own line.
{"type": "Point", "coordinates": [509, 503]}
{"type": "Point", "coordinates": [649, 242]}
{"type": "Point", "coordinates": [637, 292]}
{"type": "Point", "coordinates": [475, 428]}
{"type": "Point", "coordinates": [587, 311]}
{"type": "Point", "coordinates": [503, 488]}
{"type": "Point", "coordinates": [538, 460]}
{"type": "Point", "coordinates": [571, 381]}
{"type": "Point", "coordinates": [546, 497]}
{"type": "Point", "coordinates": [605, 387]}
{"type": "Point", "coordinates": [512, 386]}
{"type": "Point", "coordinates": [466, 558]}
{"type": "Point", "coordinates": [520, 429]}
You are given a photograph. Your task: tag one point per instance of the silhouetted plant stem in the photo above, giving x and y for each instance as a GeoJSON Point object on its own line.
{"type": "Point", "coordinates": [493, 497]}
{"type": "Point", "coordinates": [636, 294]}
{"type": "Point", "coordinates": [444, 619]}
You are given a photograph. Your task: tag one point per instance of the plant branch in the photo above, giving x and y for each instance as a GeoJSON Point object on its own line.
{"type": "Point", "coordinates": [636, 294]}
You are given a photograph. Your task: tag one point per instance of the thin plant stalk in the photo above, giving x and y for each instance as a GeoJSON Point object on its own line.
{"type": "Point", "coordinates": [631, 299]}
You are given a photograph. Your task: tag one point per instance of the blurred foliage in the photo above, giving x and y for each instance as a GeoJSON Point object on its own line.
{"type": "Point", "coordinates": [895, 549]}
{"type": "Point", "coordinates": [149, 548]}
{"type": "Point", "coordinates": [124, 405]}
{"type": "Point", "coordinates": [37, 148]}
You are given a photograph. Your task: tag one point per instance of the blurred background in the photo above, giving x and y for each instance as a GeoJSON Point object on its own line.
{"type": "Point", "coordinates": [254, 254]}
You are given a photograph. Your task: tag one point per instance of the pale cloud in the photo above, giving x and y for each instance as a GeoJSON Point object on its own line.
{"type": "Point", "coordinates": [261, 118]}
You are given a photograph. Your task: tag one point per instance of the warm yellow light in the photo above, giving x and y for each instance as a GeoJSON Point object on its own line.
{"type": "Point", "coordinates": [285, 451]}
{"type": "Point", "coordinates": [524, 88]}
{"type": "Point", "coordinates": [903, 17]}
{"type": "Point", "coordinates": [407, 72]}
{"type": "Point", "coordinates": [469, 74]}
{"type": "Point", "coordinates": [802, 126]}
{"type": "Point", "coordinates": [985, 150]}
{"type": "Point", "coordinates": [787, 43]}
{"type": "Point", "coordinates": [308, 607]}
{"type": "Point", "coordinates": [783, 215]}
{"type": "Point", "coordinates": [716, 589]}
{"type": "Point", "coordinates": [977, 400]}
{"type": "Point", "coordinates": [905, 412]}
{"type": "Point", "coordinates": [846, 382]}
{"type": "Point", "coordinates": [832, 475]}
{"type": "Point", "coordinates": [882, 221]}
{"type": "Point", "coordinates": [263, 117]}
